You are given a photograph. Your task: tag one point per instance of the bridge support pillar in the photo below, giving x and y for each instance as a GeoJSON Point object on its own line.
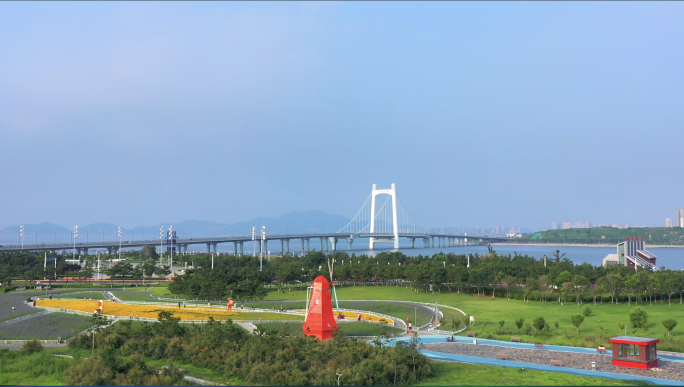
{"type": "Point", "coordinates": [242, 248]}
{"type": "Point", "coordinates": [287, 246]}
{"type": "Point", "coordinates": [84, 251]}
{"type": "Point", "coordinates": [235, 248]}
{"type": "Point", "coordinates": [282, 247]}
{"type": "Point", "coordinates": [333, 242]}
{"type": "Point", "coordinates": [266, 247]}
{"type": "Point", "coordinates": [426, 243]}
{"type": "Point", "coordinates": [432, 242]}
{"type": "Point", "coordinates": [321, 240]}
{"type": "Point", "coordinates": [350, 241]}
{"type": "Point", "coordinates": [413, 240]}
{"type": "Point", "coordinates": [208, 248]}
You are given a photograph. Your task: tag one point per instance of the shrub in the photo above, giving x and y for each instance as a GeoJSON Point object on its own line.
{"type": "Point", "coordinates": [32, 346]}
{"type": "Point", "coordinates": [669, 324]}
{"type": "Point", "coordinates": [556, 324]}
{"type": "Point", "coordinates": [539, 323]}
{"type": "Point", "coordinates": [577, 320]}
{"type": "Point", "coordinates": [519, 322]}
{"type": "Point", "coordinates": [639, 318]}
{"type": "Point", "coordinates": [547, 327]}
{"type": "Point", "coordinates": [528, 329]}
{"type": "Point", "coordinates": [501, 323]}
{"type": "Point", "coordinates": [587, 311]}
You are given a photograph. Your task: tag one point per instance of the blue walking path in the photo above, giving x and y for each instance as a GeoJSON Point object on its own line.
{"type": "Point", "coordinates": [514, 364]}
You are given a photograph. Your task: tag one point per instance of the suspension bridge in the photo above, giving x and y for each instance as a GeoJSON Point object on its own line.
{"type": "Point", "coordinates": [382, 218]}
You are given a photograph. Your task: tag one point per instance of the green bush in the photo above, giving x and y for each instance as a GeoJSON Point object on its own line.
{"type": "Point", "coordinates": [501, 323]}
{"type": "Point", "coordinates": [519, 322]}
{"type": "Point", "coordinates": [669, 324]}
{"type": "Point", "coordinates": [528, 329]}
{"type": "Point", "coordinates": [539, 323]}
{"type": "Point", "coordinates": [577, 320]}
{"type": "Point", "coordinates": [587, 311]}
{"type": "Point", "coordinates": [638, 318]}
{"type": "Point", "coordinates": [32, 346]}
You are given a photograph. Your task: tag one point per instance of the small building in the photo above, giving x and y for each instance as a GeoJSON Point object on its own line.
{"type": "Point", "coordinates": [632, 253]}
{"type": "Point", "coordinates": [634, 352]}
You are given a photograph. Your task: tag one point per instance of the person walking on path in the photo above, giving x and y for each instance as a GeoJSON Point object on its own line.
{"type": "Point", "coordinates": [359, 317]}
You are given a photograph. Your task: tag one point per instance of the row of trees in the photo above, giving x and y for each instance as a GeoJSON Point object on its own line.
{"type": "Point", "coordinates": [519, 276]}
{"type": "Point", "coordinates": [265, 358]}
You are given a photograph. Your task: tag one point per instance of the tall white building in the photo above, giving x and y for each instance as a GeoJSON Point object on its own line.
{"type": "Point", "coordinates": [679, 218]}
{"type": "Point", "coordinates": [578, 224]}
{"type": "Point", "coordinates": [668, 222]}
{"type": "Point", "coordinates": [554, 225]}
{"type": "Point", "coordinates": [567, 225]}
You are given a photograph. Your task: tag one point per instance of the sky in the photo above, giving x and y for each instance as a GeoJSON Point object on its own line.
{"type": "Point", "coordinates": [482, 113]}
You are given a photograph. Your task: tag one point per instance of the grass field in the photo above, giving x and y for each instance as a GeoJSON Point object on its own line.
{"type": "Point", "coordinates": [464, 374]}
{"type": "Point", "coordinates": [596, 328]}
{"type": "Point", "coordinates": [46, 327]}
{"type": "Point", "coordinates": [79, 295]}
{"type": "Point", "coordinates": [39, 369]}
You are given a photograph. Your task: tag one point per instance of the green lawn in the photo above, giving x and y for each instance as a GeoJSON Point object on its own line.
{"type": "Point", "coordinates": [596, 328]}
{"type": "Point", "coordinates": [79, 295]}
{"type": "Point", "coordinates": [46, 327]}
{"type": "Point", "coordinates": [39, 369]}
{"type": "Point", "coordinates": [464, 374]}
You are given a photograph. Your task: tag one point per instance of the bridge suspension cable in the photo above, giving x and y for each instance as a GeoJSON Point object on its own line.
{"type": "Point", "coordinates": [384, 217]}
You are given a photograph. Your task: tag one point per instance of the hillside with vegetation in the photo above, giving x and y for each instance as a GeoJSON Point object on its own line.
{"type": "Point", "coordinates": [609, 235]}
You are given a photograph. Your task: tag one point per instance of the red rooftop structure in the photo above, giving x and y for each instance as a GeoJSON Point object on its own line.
{"type": "Point", "coordinates": [320, 321]}
{"type": "Point", "coordinates": [634, 352]}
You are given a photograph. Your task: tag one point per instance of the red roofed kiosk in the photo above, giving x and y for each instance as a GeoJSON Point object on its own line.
{"type": "Point", "coordinates": [320, 321]}
{"type": "Point", "coordinates": [634, 352]}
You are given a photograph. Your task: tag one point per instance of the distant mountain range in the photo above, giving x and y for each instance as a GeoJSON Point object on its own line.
{"type": "Point", "coordinates": [290, 223]}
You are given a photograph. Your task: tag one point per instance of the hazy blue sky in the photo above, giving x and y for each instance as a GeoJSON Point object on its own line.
{"type": "Point", "coordinates": [482, 113]}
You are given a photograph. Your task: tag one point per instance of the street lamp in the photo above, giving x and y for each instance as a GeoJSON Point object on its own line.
{"type": "Point", "coordinates": [21, 236]}
{"type": "Point", "coordinates": [263, 238]}
{"type": "Point", "coordinates": [73, 257]}
{"type": "Point", "coordinates": [161, 246]}
{"type": "Point", "coordinates": [171, 246]}
{"type": "Point", "coordinates": [254, 238]}
{"type": "Point", "coordinates": [118, 231]}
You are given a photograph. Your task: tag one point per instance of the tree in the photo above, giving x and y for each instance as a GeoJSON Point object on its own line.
{"type": "Point", "coordinates": [543, 283]}
{"type": "Point", "coordinates": [519, 322]}
{"type": "Point", "coordinates": [539, 323]}
{"type": "Point", "coordinates": [557, 256]}
{"type": "Point", "coordinates": [632, 285]}
{"type": "Point", "coordinates": [615, 282]}
{"type": "Point", "coordinates": [530, 285]}
{"type": "Point", "coordinates": [564, 282]}
{"type": "Point", "coordinates": [148, 252]}
{"type": "Point", "coordinates": [638, 318]}
{"type": "Point", "coordinates": [581, 285]}
{"type": "Point", "coordinates": [510, 283]}
{"type": "Point", "coordinates": [33, 346]}
{"type": "Point", "coordinates": [669, 324]}
{"type": "Point", "coordinates": [577, 320]}
{"type": "Point", "coordinates": [601, 285]}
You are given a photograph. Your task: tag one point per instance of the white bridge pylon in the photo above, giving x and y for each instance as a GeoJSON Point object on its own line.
{"type": "Point", "coordinates": [391, 218]}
